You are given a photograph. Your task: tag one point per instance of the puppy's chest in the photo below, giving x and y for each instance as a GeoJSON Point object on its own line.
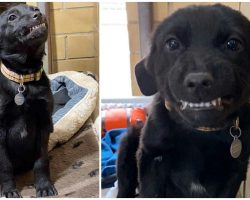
{"type": "Point", "coordinates": [30, 107]}
{"type": "Point", "coordinates": [22, 119]}
{"type": "Point", "coordinates": [191, 164]}
{"type": "Point", "coordinates": [30, 95]}
{"type": "Point", "coordinates": [21, 142]}
{"type": "Point", "coordinates": [21, 131]}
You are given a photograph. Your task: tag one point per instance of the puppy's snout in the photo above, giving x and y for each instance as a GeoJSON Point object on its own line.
{"type": "Point", "coordinates": [201, 80]}
{"type": "Point", "coordinates": [37, 15]}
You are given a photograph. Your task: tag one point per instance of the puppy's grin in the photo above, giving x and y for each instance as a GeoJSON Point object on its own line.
{"type": "Point", "coordinates": [34, 31]}
{"type": "Point", "coordinates": [36, 27]}
{"type": "Point", "coordinates": [215, 104]}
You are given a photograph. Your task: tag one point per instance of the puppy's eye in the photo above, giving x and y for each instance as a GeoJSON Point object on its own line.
{"type": "Point", "coordinates": [36, 9]}
{"type": "Point", "coordinates": [12, 17]}
{"type": "Point", "coordinates": [234, 44]}
{"type": "Point", "coordinates": [172, 44]}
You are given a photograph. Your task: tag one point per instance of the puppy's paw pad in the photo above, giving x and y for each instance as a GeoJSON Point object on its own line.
{"type": "Point", "coordinates": [45, 189]}
{"type": "Point", "coordinates": [12, 194]}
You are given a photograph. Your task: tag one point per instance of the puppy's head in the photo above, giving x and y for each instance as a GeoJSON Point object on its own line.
{"type": "Point", "coordinates": [23, 30]}
{"type": "Point", "coordinates": [200, 64]}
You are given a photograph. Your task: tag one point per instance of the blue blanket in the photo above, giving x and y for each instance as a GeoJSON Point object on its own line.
{"type": "Point", "coordinates": [110, 145]}
{"type": "Point", "coordinates": [66, 95]}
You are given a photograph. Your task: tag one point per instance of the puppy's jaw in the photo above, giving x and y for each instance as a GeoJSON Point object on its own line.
{"type": "Point", "coordinates": [34, 34]}
{"type": "Point", "coordinates": [204, 118]}
{"type": "Point", "coordinates": [217, 114]}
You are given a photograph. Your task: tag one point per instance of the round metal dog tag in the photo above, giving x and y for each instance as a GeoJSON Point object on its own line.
{"type": "Point", "coordinates": [19, 99]}
{"type": "Point", "coordinates": [235, 148]}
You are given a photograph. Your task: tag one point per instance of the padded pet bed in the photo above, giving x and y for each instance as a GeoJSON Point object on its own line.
{"type": "Point", "coordinates": [75, 97]}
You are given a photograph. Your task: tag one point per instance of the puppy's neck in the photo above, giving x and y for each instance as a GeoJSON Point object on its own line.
{"type": "Point", "coordinates": [24, 62]}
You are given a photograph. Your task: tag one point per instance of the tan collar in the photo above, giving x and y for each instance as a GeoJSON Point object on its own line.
{"type": "Point", "coordinates": [207, 129]}
{"type": "Point", "coordinates": [23, 78]}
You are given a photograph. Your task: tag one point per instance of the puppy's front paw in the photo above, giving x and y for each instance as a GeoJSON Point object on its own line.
{"type": "Point", "coordinates": [45, 188]}
{"type": "Point", "coordinates": [12, 194]}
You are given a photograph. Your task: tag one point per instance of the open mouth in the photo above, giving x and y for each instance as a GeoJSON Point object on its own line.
{"type": "Point", "coordinates": [215, 104]}
{"type": "Point", "coordinates": [36, 27]}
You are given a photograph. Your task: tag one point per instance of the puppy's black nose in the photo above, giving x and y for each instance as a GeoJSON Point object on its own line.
{"type": "Point", "coordinates": [37, 15]}
{"type": "Point", "coordinates": [201, 80]}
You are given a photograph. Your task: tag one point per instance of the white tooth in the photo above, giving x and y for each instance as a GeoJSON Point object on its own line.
{"type": "Point", "coordinates": [214, 102]}
{"type": "Point", "coordinates": [202, 104]}
{"type": "Point", "coordinates": [184, 105]}
{"type": "Point", "coordinates": [196, 105]}
{"type": "Point", "coordinates": [191, 105]}
{"type": "Point", "coordinates": [219, 101]}
{"type": "Point", "coordinates": [207, 104]}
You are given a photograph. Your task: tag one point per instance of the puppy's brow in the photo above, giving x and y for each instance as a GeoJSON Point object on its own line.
{"type": "Point", "coordinates": [35, 8]}
{"type": "Point", "coordinates": [13, 11]}
{"type": "Point", "coordinates": [177, 31]}
{"type": "Point", "coordinates": [181, 32]}
{"type": "Point", "coordinates": [224, 34]}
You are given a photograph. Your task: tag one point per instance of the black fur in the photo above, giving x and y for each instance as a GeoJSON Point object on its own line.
{"type": "Point", "coordinates": [198, 54]}
{"type": "Point", "coordinates": [25, 129]}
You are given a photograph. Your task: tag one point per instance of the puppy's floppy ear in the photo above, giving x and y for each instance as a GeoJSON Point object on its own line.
{"type": "Point", "coordinates": [144, 79]}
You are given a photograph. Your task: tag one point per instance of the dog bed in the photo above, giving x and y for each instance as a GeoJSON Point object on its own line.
{"type": "Point", "coordinates": [75, 97]}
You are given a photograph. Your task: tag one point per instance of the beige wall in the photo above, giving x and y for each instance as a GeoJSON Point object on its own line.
{"type": "Point", "coordinates": [160, 11]}
{"type": "Point", "coordinates": [74, 36]}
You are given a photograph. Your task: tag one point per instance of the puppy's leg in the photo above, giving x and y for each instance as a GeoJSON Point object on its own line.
{"type": "Point", "coordinates": [127, 164]}
{"type": "Point", "coordinates": [6, 175]}
{"type": "Point", "coordinates": [44, 186]}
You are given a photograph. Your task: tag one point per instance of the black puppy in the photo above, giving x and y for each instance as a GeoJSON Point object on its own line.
{"type": "Point", "coordinates": [196, 140]}
{"type": "Point", "coordinates": [26, 101]}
